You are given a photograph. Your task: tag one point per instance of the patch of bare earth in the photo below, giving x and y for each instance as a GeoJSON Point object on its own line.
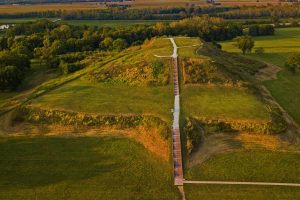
{"type": "Point", "coordinates": [268, 73]}
{"type": "Point", "coordinates": [222, 143]}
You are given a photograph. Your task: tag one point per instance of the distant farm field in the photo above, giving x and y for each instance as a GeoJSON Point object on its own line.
{"type": "Point", "coordinates": [13, 9]}
{"type": "Point", "coordinates": [82, 168]}
{"type": "Point", "coordinates": [286, 89]}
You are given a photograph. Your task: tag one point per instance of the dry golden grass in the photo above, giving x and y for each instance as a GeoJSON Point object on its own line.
{"type": "Point", "coordinates": [12, 9]}
{"type": "Point", "coordinates": [150, 138]}
{"type": "Point", "coordinates": [253, 141]}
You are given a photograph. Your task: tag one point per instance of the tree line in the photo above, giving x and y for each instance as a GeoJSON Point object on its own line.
{"type": "Point", "coordinates": [271, 11]}
{"type": "Point", "coordinates": [173, 13]}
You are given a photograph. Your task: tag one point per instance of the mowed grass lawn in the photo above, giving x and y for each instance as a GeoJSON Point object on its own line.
{"type": "Point", "coordinates": [188, 46]}
{"type": "Point", "coordinates": [286, 89]}
{"type": "Point", "coordinates": [265, 166]}
{"type": "Point", "coordinates": [82, 168]}
{"type": "Point", "coordinates": [222, 103]}
{"type": "Point", "coordinates": [84, 96]}
{"type": "Point", "coordinates": [229, 192]}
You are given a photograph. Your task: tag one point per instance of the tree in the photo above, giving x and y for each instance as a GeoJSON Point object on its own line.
{"type": "Point", "coordinates": [245, 43]}
{"type": "Point", "coordinates": [293, 63]}
{"type": "Point", "coordinates": [106, 43]}
{"type": "Point", "coordinates": [161, 28]}
{"type": "Point", "coordinates": [10, 77]}
{"type": "Point", "coordinates": [120, 44]}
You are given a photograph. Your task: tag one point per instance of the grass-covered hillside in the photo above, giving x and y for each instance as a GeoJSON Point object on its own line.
{"type": "Point", "coordinates": [286, 88]}
{"type": "Point", "coordinates": [139, 66]}
{"type": "Point", "coordinates": [220, 94]}
{"type": "Point", "coordinates": [125, 85]}
{"type": "Point", "coordinates": [225, 114]}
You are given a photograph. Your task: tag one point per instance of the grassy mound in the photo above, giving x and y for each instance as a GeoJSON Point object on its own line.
{"type": "Point", "coordinates": [82, 168]}
{"type": "Point", "coordinates": [208, 65]}
{"type": "Point", "coordinates": [220, 94]}
{"type": "Point", "coordinates": [101, 98]}
{"type": "Point", "coordinates": [286, 88]}
{"type": "Point", "coordinates": [139, 66]}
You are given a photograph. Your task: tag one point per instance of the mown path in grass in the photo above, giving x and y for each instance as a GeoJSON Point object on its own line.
{"type": "Point", "coordinates": [82, 168]}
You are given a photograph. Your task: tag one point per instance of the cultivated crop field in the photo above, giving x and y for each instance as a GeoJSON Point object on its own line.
{"type": "Point", "coordinates": [13, 9]}
{"type": "Point", "coordinates": [286, 88]}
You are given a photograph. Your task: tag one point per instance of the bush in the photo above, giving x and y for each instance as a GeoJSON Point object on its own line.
{"type": "Point", "coordinates": [10, 77]}
{"type": "Point", "coordinates": [193, 135]}
{"type": "Point", "coordinates": [53, 63]}
{"type": "Point", "coordinates": [259, 50]}
{"type": "Point", "coordinates": [157, 68]}
{"type": "Point", "coordinates": [68, 68]}
{"type": "Point", "coordinates": [120, 44]}
{"type": "Point", "coordinates": [38, 115]}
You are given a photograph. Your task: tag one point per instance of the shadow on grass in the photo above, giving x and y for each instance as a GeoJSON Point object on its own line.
{"type": "Point", "coordinates": [35, 162]}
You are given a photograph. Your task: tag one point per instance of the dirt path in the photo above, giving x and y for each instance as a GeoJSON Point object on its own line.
{"type": "Point", "coordinates": [268, 73]}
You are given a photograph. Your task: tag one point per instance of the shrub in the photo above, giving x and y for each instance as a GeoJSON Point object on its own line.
{"type": "Point", "coordinates": [10, 77]}
{"type": "Point", "coordinates": [43, 116]}
{"type": "Point", "coordinates": [193, 135]}
{"type": "Point", "coordinates": [259, 50]}
{"type": "Point", "coordinates": [68, 68]}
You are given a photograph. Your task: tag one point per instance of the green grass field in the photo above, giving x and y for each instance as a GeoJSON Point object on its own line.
{"type": "Point", "coordinates": [111, 23]}
{"type": "Point", "coordinates": [21, 20]}
{"type": "Point", "coordinates": [189, 46]}
{"type": "Point", "coordinates": [223, 103]}
{"type": "Point", "coordinates": [83, 96]}
{"type": "Point", "coordinates": [99, 23]}
{"type": "Point", "coordinates": [265, 166]}
{"type": "Point", "coordinates": [82, 168]}
{"type": "Point", "coordinates": [225, 192]}
{"type": "Point", "coordinates": [285, 43]}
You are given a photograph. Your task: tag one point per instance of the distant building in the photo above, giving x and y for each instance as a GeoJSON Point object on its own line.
{"type": "Point", "coordinates": [213, 2]}
{"type": "Point", "coordinates": [4, 27]}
